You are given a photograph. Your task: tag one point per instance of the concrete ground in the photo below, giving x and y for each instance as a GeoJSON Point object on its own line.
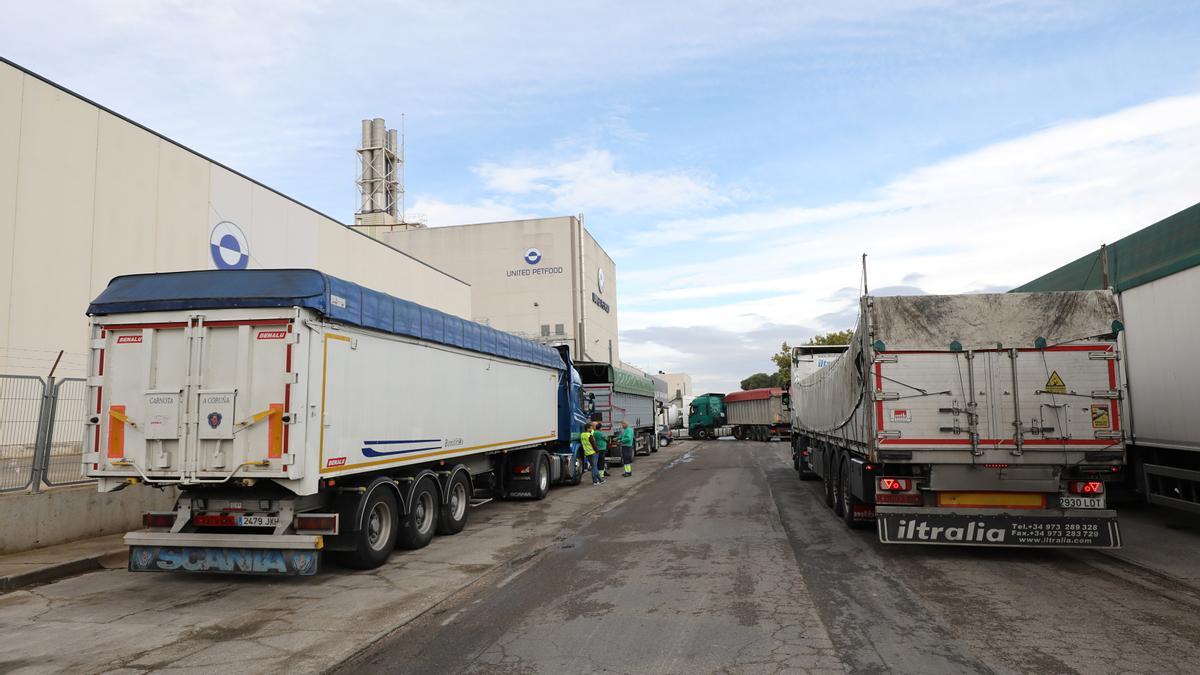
{"type": "Point", "coordinates": [728, 563]}
{"type": "Point", "coordinates": [112, 620]}
{"type": "Point", "coordinates": [712, 558]}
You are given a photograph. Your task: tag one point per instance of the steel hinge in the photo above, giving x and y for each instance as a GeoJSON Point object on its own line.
{"type": "Point", "coordinates": [1102, 356]}
{"type": "Point", "coordinates": [887, 433]}
{"type": "Point", "coordinates": [886, 395]}
{"type": "Point", "coordinates": [1106, 393]}
{"type": "Point", "coordinates": [1110, 435]}
{"type": "Point", "coordinates": [886, 358]}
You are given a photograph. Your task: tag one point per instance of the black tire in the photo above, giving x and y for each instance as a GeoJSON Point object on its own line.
{"type": "Point", "coordinates": [377, 536]}
{"type": "Point", "coordinates": [576, 470]}
{"type": "Point", "coordinates": [541, 477]}
{"type": "Point", "coordinates": [830, 482]}
{"type": "Point", "coordinates": [418, 526]}
{"type": "Point", "coordinates": [663, 441]}
{"type": "Point", "coordinates": [739, 434]}
{"type": "Point", "coordinates": [452, 515]}
{"type": "Point", "coordinates": [700, 434]}
{"type": "Point", "coordinates": [849, 501]}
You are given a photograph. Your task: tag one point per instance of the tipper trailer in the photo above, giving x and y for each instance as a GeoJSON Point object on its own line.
{"type": "Point", "coordinates": [758, 414]}
{"type": "Point", "coordinates": [613, 395]}
{"type": "Point", "coordinates": [971, 420]}
{"type": "Point", "coordinates": [297, 412]}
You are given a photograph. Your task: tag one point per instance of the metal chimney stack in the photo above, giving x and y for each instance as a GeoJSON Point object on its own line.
{"type": "Point", "coordinates": [380, 177]}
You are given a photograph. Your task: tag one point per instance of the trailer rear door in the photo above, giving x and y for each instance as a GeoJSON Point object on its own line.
{"type": "Point", "coordinates": [194, 400]}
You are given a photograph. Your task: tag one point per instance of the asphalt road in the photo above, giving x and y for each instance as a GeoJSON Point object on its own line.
{"type": "Point", "coordinates": [724, 562]}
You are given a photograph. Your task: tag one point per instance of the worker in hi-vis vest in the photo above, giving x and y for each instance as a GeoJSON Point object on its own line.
{"type": "Point", "coordinates": [626, 440]}
{"type": "Point", "coordinates": [589, 453]}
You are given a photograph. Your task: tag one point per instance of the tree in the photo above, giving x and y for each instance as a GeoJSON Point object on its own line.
{"type": "Point", "coordinates": [837, 337]}
{"type": "Point", "coordinates": [783, 366]}
{"type": "Point", "coordinates": [758, 381]}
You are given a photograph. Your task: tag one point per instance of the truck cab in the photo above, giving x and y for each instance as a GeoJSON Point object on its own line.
{"type": "Point", "coordinates": [706, 416]}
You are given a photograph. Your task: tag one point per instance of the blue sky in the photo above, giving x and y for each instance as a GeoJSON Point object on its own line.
{"type": "Point", "coordinates": [735, 158]}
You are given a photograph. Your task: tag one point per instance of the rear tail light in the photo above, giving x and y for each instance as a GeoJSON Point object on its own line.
{"type": "Point", "coordinates": [1087, 488]}
{"type": "Point", "coordinates": [523, 469]}
{"type": "Point", "coordinates": [894, 484]}
{"type": "Point", "coordinates": [158, 520]}
{"type": "Point", "coordinates": [996, 466]}
{"type": "Point", "coordinates": [319, 523]}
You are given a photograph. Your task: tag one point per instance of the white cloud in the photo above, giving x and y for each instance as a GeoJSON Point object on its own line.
{"type": "Point", "coordinates": [592, 181]}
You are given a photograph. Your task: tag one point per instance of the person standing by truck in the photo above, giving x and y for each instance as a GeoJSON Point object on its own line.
{"type": "Point", "coordinates": [626, 441]}
{"type": "Point", "coordinates": [600, 442]}
{"type": "Point", "coordinates": [589, 453]}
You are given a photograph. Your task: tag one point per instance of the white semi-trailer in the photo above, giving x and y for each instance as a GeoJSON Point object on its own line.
{"type": "Point", "coordinates": [297, 412]}
{"type": "Point", "coordinates": [971, 420]}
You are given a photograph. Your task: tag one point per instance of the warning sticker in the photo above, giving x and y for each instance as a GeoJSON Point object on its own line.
{"type": "Point", "coordinates": [1055, 384]}
{"type": "Point", "coordinates": [1100, 417]}
{"type": "Point", "coordinates": [901, 415]}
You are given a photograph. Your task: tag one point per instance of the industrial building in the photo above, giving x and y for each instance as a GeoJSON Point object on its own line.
{"type": "Point", "coordinates": [546, 279]}
{"type": "Point", "coordinates": [87, 194]}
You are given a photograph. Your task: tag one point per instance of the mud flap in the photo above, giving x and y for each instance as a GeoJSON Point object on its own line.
{"type": "Point", "coordinates": [995, 527]}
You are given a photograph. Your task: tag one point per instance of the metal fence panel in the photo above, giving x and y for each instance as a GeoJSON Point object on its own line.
{"type": "Point", "coordinates": [63, 462]}
{"type": "Point", "coordinates": [20, 408]}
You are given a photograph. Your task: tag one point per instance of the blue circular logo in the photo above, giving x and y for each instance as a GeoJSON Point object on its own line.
{"type": "Point", "coordinates": [228, 247]}
{"type": "Point", "coordinates": [533, 256]}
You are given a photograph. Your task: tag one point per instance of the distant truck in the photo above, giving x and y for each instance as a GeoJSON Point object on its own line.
{"type": "Point", "coordinates": [758, 414]}
{"type": "Point", "coordinates": [614, 395]}
{"type": "Point", "coordinates": [971, 420]}
{"type": "Point", "coordinates": [706, 417]}
{"type": "Point", "coordinates": [1155, 274]}
{"type": "Point", "coordinates": [299, 413]}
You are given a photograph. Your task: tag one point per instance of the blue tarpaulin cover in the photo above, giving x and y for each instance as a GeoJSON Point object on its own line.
{"type": "Point", "coordinates": [334, 298]}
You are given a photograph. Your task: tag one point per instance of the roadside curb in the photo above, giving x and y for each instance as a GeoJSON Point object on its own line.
{"type": "Point", "coordinates": [58, 570]}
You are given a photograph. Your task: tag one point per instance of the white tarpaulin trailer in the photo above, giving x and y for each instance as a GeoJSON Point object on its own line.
{"type": "Point", "coordinates": [949, 409]}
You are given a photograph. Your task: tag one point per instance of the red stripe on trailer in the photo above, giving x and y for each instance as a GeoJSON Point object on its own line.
{"type": "Point", "coordinates": [1113, 408]}
{"type": "Point", "coordinates": [754, 394]}
{"type": "Point", "coordinates": [1056, 348]}
{"type": "Point", "coordinates": [990, 441]}
{"type": "Point", "coordinates": [287, 391]}
{"type": "Point", "coordinates": [183, 324]}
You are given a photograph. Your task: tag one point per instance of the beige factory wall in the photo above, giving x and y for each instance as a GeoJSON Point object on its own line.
{"type": "Point", "coordinates": [86, 195]}
{"type": "Point", "coordinates": [504, 286]}
{"type": "Point", "coordinates": [600, 327]}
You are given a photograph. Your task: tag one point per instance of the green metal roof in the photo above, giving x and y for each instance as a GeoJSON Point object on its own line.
{"type": "Point", "coordinates": [1171, 245]}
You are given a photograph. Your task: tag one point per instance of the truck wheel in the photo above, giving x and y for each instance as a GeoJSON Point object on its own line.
{"type": "Point", "coordinates": [663, 442]}
{"type": "Point", "coordinates": [849, 501]}
{"type": "Point", "coordinates": [452, 516]}
{"type": "Point", "coordinates": [541, 477]}
{"type": "Point", "coordinates": [377, 537]}
{"type": "Point", "coordinates": [418, 526]}
{"type": "Point", "coordinates": [739, 434]}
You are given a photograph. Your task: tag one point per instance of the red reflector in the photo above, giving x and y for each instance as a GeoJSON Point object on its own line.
{"type": "Point", "coordinates": [1087, 487]}
{"type": "Point", "coordinates": [320, 523]}
{"type": "Point", "coordinates": [522, 469]}
{"type": "Point", "coordinates": [996, 466]}
{"type": "Point", "coordinates": [868, 467]}
{"type": "Point", "coordinates": [894, 484]}
{"type": "Point", "coordinates": [158, 519]}
{"type": "Point", "coordinates": [804, 453]}
{"type": "Point", "coordinates": [214, 520]}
